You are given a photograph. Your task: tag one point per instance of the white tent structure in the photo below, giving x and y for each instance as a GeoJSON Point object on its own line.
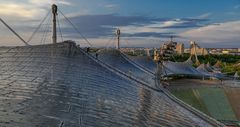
{"type": "Point", "coordinates": [179, 68]}
{"type": "Point", "coordinates": [170, 68]}
{"type": "Point", "coordinates": [236, 76]}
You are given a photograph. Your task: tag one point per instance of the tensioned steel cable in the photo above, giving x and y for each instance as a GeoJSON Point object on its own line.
{"type": "Point", "coordinates": [59, 27]}
{"type": "Point", "coordinates": [76, 29]}
{"type": "Point", "coordinates": [112, 43]}
{"type": "Point", "coordinates": [46, 30]}
{"type": "Point", "coordinates": [109, 41]}
{"type": "Point", "coordinates": [33, 34]}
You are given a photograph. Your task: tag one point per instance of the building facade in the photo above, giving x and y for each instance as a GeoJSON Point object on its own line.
{"type": "Point", "coordinates": [195, 49]}
{"type": "Point", "coordinates": [179, 48]}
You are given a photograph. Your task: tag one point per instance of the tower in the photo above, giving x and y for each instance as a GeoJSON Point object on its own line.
{"type": "Point", "coordinates": [193, 43]}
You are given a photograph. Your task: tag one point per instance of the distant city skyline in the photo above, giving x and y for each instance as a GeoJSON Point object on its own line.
{"type": "Point", "coordinates": [143, 23]}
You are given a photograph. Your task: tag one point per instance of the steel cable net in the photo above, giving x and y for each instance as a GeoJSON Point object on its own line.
{"type": "Point", "coordinates": [117, 60]}
{"type": "Point", "coordinates": [60, 85]}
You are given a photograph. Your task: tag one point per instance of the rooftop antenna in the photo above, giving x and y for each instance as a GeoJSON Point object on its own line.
{"type": "Point", "coordinates": [54, 34]}
{"type": "Point", "coordinates": [118, 38]}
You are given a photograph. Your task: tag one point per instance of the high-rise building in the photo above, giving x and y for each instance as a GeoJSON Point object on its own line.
{"type": "Point", "coordinates": [195, 49]}
{"type": "Point", "coordinates": [179, 48]}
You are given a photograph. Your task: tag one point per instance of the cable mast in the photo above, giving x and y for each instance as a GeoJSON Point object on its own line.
{"type": "Point", "coordinates": [54, 29]}
{"type": "Point", "coordinates": [118, 38]}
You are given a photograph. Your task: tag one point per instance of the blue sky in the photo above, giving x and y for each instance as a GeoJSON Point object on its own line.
{"type": "Point", "coordinates": [143, 23]}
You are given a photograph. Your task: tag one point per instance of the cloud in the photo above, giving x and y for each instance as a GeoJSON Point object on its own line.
{"type": "Point", "coordinates": [31, 9]}
{"type": "Point", "coordinates": [111, 6]}
{"type": "Point", "coordinates": [18, 10]}
{"type": "Point", "coordinates": [153, 34]}
{"type": "Point", "coordinates": [204, 16]}
{"type": "Point", "coordinates": [105, 25]}
{"type": "Point", "coordinates": [237, 6]}
{"type": "Point", "coordinates": [124, 42]}
{"type": "Point", "coordinates": [183, 23]}
{"type": "Point", "coordinates": [232, 13]}
{"type": "Point", "coordinates": [49, 2]}
{"type": "Point", "coordinates": [141, 26]}
{"type": "Point", "coordinates": [163, 28]}
{"type": "Point", "coordinates": [227, 32]}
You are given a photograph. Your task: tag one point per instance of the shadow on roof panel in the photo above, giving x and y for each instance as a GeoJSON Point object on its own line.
{"type": "Point", "coordinates": [145, 61]}
{"type": "Point", "coordinates": [116, 59]}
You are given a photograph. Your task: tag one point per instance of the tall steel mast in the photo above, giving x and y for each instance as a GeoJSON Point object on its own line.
{"type": "Point", "coordinates": [54, 29]}
{"type": "Point", "coordinates": [118, 38]}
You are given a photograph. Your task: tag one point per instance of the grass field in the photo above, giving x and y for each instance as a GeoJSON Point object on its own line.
{"type": "Point", "coordinates": [233, 95]}
{"type": "Point", "coordinates": [212, 101]}
{"type": "Point", "coordinates": [217, 103]}
{"type": "Point", "coordinates": [191, 97]}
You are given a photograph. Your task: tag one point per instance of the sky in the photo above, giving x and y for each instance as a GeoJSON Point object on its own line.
{"type": "Point", "coordinates": [143, 23]}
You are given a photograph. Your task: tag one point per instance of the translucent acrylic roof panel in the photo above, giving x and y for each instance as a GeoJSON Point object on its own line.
{"type": "Point", "coordinates": [116, 59]}
{"type": "Point", "coordinates": [180, 68]}
{"type": "Point", "coordinates": [145, 61]}
{"type": "Point", "coordinates": [68, 88]}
